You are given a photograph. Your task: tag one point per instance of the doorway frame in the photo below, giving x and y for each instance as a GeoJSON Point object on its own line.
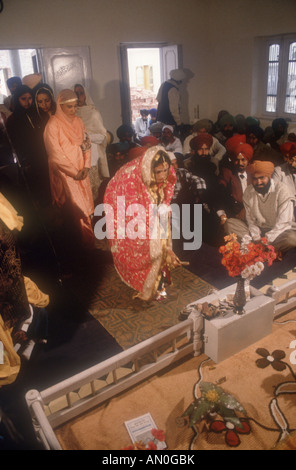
{"type": "Point", "coordinates": [124, 82]}
{"type": "Point", "coordinates": [36, 64]}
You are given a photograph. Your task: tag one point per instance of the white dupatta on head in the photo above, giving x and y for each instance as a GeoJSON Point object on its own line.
{"type": "Point", "coordinates": [91, 117]}
{"type": "Point", "coordinates": [94, 126]}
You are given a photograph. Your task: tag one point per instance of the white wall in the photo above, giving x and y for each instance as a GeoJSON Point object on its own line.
{"type": "Point", "coordinates": [217, 38]}
{"type": "Point", "coordinates": [232, 46]}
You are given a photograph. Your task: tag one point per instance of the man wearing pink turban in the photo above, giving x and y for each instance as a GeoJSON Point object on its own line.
{"type": "Point", "coordinates": [269, 209]}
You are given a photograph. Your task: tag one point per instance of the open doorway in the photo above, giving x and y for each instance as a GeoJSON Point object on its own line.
{"type": "Point", "coordinates": [144, 79]}
{"type": "Point", "coordinates": [144, 68]}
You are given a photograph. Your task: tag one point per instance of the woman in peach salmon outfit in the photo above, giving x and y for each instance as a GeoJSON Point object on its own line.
{"type": "Point", "coordinates": [68, 148]}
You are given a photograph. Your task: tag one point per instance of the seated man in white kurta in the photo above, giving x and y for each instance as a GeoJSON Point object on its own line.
{"type": "Point", "coordinates": [170, 142]}
{"type": "Point", "coordinates": [141, 124]}
{"type": "Point", "coordinates": [269, 209]}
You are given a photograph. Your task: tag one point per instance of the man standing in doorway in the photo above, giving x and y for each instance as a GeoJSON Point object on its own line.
{"type": "Point", "coordinates": [168, 97]}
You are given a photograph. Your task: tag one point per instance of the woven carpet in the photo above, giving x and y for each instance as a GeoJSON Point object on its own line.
{"type": "Point", "coordinates": [131, 321]}
{"type": "Point", "coordinates": [258, 385]}
{"type": "Point", "coordinates": [99, 288]}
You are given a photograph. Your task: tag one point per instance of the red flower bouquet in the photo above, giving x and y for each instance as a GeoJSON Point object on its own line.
{"type": "Point", "coordinates": [246, 259]}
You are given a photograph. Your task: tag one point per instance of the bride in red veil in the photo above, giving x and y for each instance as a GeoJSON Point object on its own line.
{"type": "Point", "coordinates": [136, 198]}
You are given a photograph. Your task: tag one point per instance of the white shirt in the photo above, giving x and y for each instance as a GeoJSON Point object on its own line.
{"type": "Point", "coordinates": [141, 127]}
{"type": "Point", "coordinates": [243, 180]}
{"type": "Point", "coordinates": [282, 173]}
{"type": "Point", "coordinates": [2, 98]}
{"type": "Point", "coordinates": [175, 147]}
{"type": "Point", "coordinates": [283, 220]}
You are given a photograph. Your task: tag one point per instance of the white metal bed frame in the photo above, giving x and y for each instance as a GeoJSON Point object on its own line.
{"type": "Point", "coordinates": [124, 370]}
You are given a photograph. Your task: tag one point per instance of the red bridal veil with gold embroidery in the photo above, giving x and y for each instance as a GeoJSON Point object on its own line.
{"type": "Point", "coordinates": [138, 260]}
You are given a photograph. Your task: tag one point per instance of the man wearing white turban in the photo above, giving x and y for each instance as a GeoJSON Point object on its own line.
{"type": "Point", "coordinates": [168, 97]}
{"type": "Point", "coordinates": [169, 141]}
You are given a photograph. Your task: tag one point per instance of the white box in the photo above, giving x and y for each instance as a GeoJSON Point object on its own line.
{"type": "Point", "coordinates": [225, 336]}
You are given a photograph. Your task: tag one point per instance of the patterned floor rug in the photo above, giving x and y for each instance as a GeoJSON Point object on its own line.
{"type": "Point", "coordinates": [99, 288]}
{"type": "Point", "coordinates": [247, 402]}
{"type": "Point", "coordinates": [131, 321]}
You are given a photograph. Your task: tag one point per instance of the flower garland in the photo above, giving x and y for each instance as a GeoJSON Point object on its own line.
{"type": "Point", "coordinates": [246, 259]}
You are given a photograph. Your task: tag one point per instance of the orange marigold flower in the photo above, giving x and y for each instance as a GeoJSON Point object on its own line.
{"type": "Point", "coordinates": [231, 237]}
{"type": "Point", "coordinates": [236, 257]}
{"type": "Point", "coordinates": [139, 445]}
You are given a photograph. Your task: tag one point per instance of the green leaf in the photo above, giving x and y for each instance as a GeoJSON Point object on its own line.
{"type": "Point", "coordinates": [225, 412]}
{"type": "Point", "coordinates": [189, 410]}
{"type": "Point", "coordinates": [200, 412]}
{"type": "Point", "coordinates": [230, 402]}
{"type": "Point", "coordinates": [205, 387]}
{"type": "Point", "coordinates": [230, 416]}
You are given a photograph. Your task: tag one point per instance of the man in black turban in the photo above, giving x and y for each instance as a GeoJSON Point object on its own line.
{"type": "Point", "coordinates": [12, 84]}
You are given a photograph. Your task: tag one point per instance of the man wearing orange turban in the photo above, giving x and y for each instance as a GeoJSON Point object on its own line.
{"type": "Point", "coordinates": [245, 150]}
{"type": "Point", "coordinates": [234, 141]}
{"type": "Point", "coordinates": [230, 146]}
{"type": "Point", "coordinates": [232, 183]}
{"type": "Point", "coordinates": [269, 209]}
{"type": "Point", "coordinates": [263, 168]}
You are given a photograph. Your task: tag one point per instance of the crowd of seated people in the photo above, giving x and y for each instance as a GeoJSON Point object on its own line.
{"type": "Point", "coordinates": [213, 160]}
{"type": "Point", "coordinates": [218, 153]}
{"type": "Point", "coordinates": [221, 154]}
{"type": "Point", "coordinates": [57, 160]}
